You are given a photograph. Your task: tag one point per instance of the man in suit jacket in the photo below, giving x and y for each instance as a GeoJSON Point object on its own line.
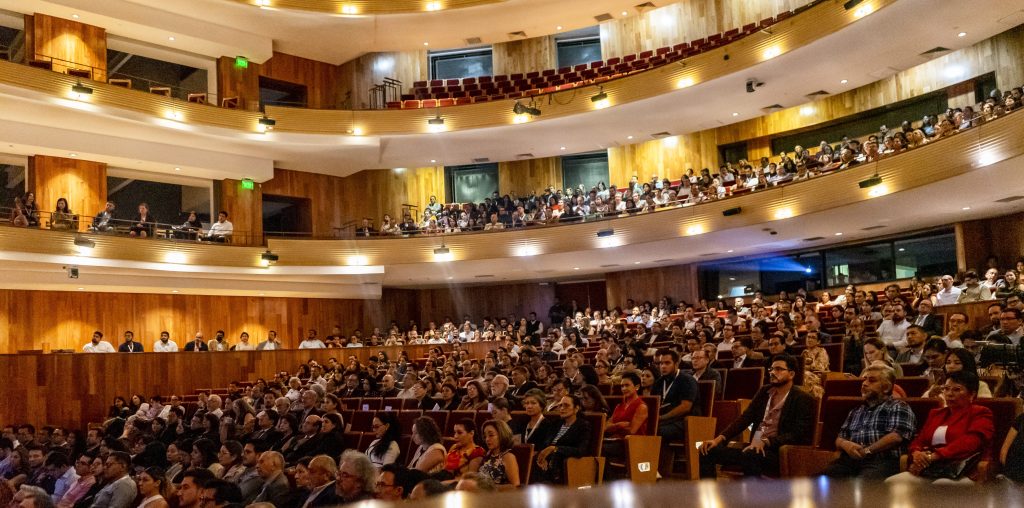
{"type": "Point", "coordinates": [275, 485]}
{"type": "Point", "coordinates": [780, 413]}
{"type": "Point", "coordinates": [931, 323]}
{"type": "Point", "coordinates": [743, 354]}
{"type": "Point", "coordinates": [320, 477]}
{"type": "Point", "coordinates": [702, 370]}
{"type": "Point", "coordinates": [272, 342]}
{"type": "Point", "coordinates": [197, 344]}
{"type": "Point", "coordinates": [129, 345]}
{"type": "Point", "coordinates": [266, 431]}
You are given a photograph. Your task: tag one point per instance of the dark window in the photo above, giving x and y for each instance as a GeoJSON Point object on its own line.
{"type": "Point", "coordinates": [274, 92]}
{"type": "Point", "coordinates": [983, 86]}
{"type": "Point", "coordinates": [859, 264]}
{"type": "Point", "coordinates": [586, 169]}
{"type": "Point", "coordinates": [12, 184]}
{"type": "Point", "coordinates": [573, 52]}
{"type": "Point", "coordinates": [145, 72]}
{"type": "Point", "coordinates": [472, 183]}
{"type": "Point", "coordinates": [168, 203]}
{"type": "Point", "coordinates": [925, 257]}
{"type": "Point", "coordinates": [790, 273]}
{"type": "Point", "coordinates": [461, 64]}
{"type": "Point", "coordinates": [733, 152]}
{"type": "Point", "coordinates": [284, 214]}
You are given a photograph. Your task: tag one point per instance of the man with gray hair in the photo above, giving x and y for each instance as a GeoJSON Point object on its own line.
{"type": "Point", "coordinates": [875, 433]}
{"type": "Point", "coordinates": [275, 490]}
{"type": "Point", "coordinates": [356, 479]}
{"type": "Point", "coordinates": [499, 386]}
{"type": "Point", "coordinates": [120, 490]}
{"type": "Point", "coordinates": [30, 496]}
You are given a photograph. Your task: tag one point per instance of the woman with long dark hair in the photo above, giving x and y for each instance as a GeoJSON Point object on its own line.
{"type": "Point", "coordinates": [384, 449]}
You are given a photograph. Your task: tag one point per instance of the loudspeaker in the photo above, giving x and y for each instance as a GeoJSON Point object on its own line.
{"type": "Point", "coordinates": [731, 211]}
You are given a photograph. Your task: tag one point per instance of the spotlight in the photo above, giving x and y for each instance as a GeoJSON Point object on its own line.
{"type": "Point", "coordinates": [442, 251]}
{"type": "Point", "coordinates": [81, 241]}
{"type": "Point", "coordinates": [600, 99]}
{"type": "Point", "coordinates": [732, 211]}
{"type": "Point", "coordinates": [267, 123]}
{"type": "Point", "coordinates": [269, 258]}
{"type": "Point", "coordinates": [870, 182]}
{"type": "Point", "coordinates": [80, 89]}
{"type": "Point", "coordinates": [435, 124]}
{"type": "Point", "coordinates": [520, 109]}
{"type": "Point", "coordinates": [604, 233]}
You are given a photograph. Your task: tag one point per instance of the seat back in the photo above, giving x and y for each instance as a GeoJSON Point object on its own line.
{"type": "Point", "coordinates": [743, 383]}
{"type": "Point", "coordinates": [455, 417]}
{"type": "Point", "coordinates": [371, 404]}
{"type": "Point", "coordinates": [439, 417]}
{"type": "Point", "coordinates": [406, 419]}
{"type": "Point", "coordinates": [843, 387]}
{"type": "Point", "coordinates": [1004, 413]}
{"type": "Point", "coordinates": [524, 459]}
{"type": "Point", "coordinates": [833, 413]}
{"type": "Point", "coordinates": [653, 415]}
{"type": "Point", "coordinates": [392, 404]}
{"type": "Point", "coordinates": [362, 421]}
{"type": "Point", "coordinates": [597, 422]}
{"type": "Point", "coordinates": [921, 407]}
{"type": "Point", "coordinates": [707, 397]}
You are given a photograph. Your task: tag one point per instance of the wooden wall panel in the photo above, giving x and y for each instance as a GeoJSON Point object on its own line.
{"type": "Point", "coordinates": [667, 158]}
{"type": "Point", "coordinates": [356, 77]}
{"type": "Point", "coordinates": [1002, 237]}
{"type": "Point", "coordinates": [532, 175]}
{"type": "Point", "coordinates": [245, 211]}
{"type": "Point", "coordinates": [76, 390]}
{"type": "Point", "coordinates": [482, 301]}
{"type": "Point", "coordinates": [320, 79]}
{"type": "Point", "coordinates": [243, 83]}
{"type": "Point", "coordinates": [677, 282]}
{"type": "Point", "coordinates": [371, 193]}
{"type": "Point", "coordinates": [527, 55]}
{"type": "Point", "coordinates": [68, 43]}
{"type": "Point", "coordinates": [683, 22]}
{"type": "Point", "coordinates": [83, 183]}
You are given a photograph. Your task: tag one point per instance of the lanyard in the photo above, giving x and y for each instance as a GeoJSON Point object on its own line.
{"type": "Point", "coordinates": [668, 387]}
{"type": "Point", "coordinates": [528, 432]}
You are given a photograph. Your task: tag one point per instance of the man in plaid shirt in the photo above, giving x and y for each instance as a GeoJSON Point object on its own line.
{"type": "Point", "coordinates": [875, 433]}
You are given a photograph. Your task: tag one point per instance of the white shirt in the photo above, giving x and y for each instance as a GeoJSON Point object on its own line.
{"type": "Point", "coordinates": [221, 228]}
{"type": "Point", "coordinates": [894, 335]}
{"type": "Point", "coordinates": [101, 347]}
{"type": "Point", "coordinates": [245, 346]}
{"type": "Point", "coordinates": [948, 296]}
{"type": "Point", "coordinates": [165, 347]}
{"type": "Point", "coordinates": [311, 344]}
{"type": "Point", "coordinates": [726, 345]}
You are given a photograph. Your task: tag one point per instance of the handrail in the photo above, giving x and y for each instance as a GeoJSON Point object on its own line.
{"type": "Point", "coordinates": [119, 227]}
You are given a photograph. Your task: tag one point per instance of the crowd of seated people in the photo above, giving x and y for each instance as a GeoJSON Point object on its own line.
{"type": "Point", "coordinates": [25, 213]}
{"type": "Point", "coordinates": [602, 201]}
{"type": "Point", "coordinates": [342, 431]}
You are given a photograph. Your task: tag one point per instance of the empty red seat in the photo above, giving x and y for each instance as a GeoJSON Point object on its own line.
{"type": "Point", "coordinates": [488, 87]}
{"type": "Point", "coordinates": [429, 103]}
{"type": "Point", "coordinates": [515, 77]}
{"type": "Point", "coordinates": [766, 22]}
{"type": "Point", "coordinates": [482, 98]}
{"type": "Point", "coordinates": [452, 82]}
{"type": "Point", "coordinates": [463, 100]}
{"type": "Point", "coordinates": [408, 97]}
{"type": "Point", "coordinates": [580, 67]}
{"type": "Point", "coordinates": [410, 104]}
{"type": "Point", "coordinates": [436, 82]}
{"type": "Point", "coordinates": [662, 51]}
{"type": "Point", "coordinates": [646, 54]}
{"type": "Point", "coordinates": [468, 81]}
{"type": "Point", "coordinates": [419, 84]}
{"type": "Point", "coordinates": [596, 64]}
{"type": "Point", "coordinates": [471, 87]}
{"type": "Point", "coordinates": [548, 72]}
{"type": "Point", "coordinates": [434, 90]}
{"type": "Point", "coordinates": [612, 62]}
{"type": "Point", "coordinates": [783, 15]}
{"type": "Point", "coordinates": [628, 58]}
{"type": "Point", "coordinates": [445, 103]}
{"type": "Point", "coordinates": [394, 105]}
{"type": "Point", "coordinates": [476, 93]}
{"type": "Point", "coordinates": [531, 75]}
{"type": "Point", "coordinates": [749, 28]}
{"type": "Point", "coordinates": [500, 78]}
{"type": "Point", "coordinates": [515, 95]}
{"type": "Point", "coordinates": [486, 79]}
{"type": "Point", "coordinates": [460, 93]}
{"type": "Point", "coordinates": [681, 47]}
{"type": "Point", "coordinates": [588, 74]}
{"type": "Point", "coordinates": [729, 34]}
{"type": "Point", "coordinates": [442, 95]}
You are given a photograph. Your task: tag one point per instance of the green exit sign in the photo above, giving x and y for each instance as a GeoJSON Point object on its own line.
{"type": "Point", "coordinates": [241, 62]}
{"type": "Point", "coordinates": [248, 184]}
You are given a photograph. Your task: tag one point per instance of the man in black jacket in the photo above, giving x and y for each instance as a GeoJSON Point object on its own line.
{"type": "Point", "coordinates": [780, 413]}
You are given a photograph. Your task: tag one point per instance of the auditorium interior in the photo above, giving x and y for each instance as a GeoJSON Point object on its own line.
{"type": "Point", "coordinates": [477, 216]}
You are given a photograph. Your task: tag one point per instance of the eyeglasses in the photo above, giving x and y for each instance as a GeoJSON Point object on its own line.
{"type": "Point", "coordinates": [381, 485]}
{"type": "Point", "coordinates": [780, 369]}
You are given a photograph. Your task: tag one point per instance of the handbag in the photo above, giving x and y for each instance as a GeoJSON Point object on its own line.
{"type": "Point", "coordinates": [951, 470]}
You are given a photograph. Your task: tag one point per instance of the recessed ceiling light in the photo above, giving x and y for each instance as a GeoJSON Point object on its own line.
{"type": "Point", "coordinates": [902, 249]}
{"type": "Point", "coordinates": [629, 137]}
{"type": "Point", "coordinates": [174, 290]}
{"type": "Point", "coordinates": [426, 43]}
{"type": "Point", "coordinates": [624, 13]}
{"type": "Point", "coordinates": [177, 169]}
{"type": "Point", "coordinates": [735, 114]}
{"type": "Point", "coordinates": [559, 27]}
{"type": "Point", "coordinates": [966, 208]}
{"type": "Point", "coordinates": [729, 251]}
{"type": "Point", "coordinates": [843, 82]}
{"type": "Point", "coordinates": [839, 234]}
{"type": "Point", "coordinates": [73, 154]}
{"type": "Point", "coordinates": [261, 294]}
{"type": "Point", "coordinates": [80, 289]}
{"type": "Point", "coordinates": [575, 268]}
{"type": "Point", "coordinates": [561, 148]}
{"type": "Point", "coordinates": [171, 38]}
{"type": "Point", "coordinates": [962, 34]}
{"type": "Point", "coordinates": [433, 161]}
{"type": "Point", "coordinates": [75, 16]}
{"type": "Point", "coordinates": [450, 277]}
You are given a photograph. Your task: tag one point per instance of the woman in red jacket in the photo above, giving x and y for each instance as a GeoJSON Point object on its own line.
{"type": "Point", "coordinates": [952, 436]}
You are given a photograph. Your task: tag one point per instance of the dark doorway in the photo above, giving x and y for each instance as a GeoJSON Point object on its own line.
{"type": "Point", "coordinates": [283, 214]}
{"type": "Point", "coordinates": [587, 294]}
{"type": "Point", "coordinates": [281, 93]}
{"type": "Point", "coordinates": [733, 152]}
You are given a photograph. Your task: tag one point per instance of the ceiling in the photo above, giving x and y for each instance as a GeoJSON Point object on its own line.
{"type": "Point", "coordinates": [142, 142]}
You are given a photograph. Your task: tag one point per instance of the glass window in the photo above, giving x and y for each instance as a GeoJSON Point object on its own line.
{"type": "Point", "coordinates": [472, 183]}
{"type": "Point", "coordinates": [169, 201]}
{"type": "Point", "coordinates": [586, 169]}
{"type": "Point", "coordinates": [12, 181]}
{"type": "Point", "coordinates": [579, 51]}
{"type": "Point", "coordinates": [737, 279]}
{"type": "Point", "coordinates": [859, 264]}
{"type": "Point", "coordinates": [461, 64]}
{"type": "Point", "coordinates": [145, 72]}
{"type": "Point", "coordinates": [926, 257]}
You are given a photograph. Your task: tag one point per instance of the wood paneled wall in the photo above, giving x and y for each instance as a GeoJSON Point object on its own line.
{"type": "Point", "coordinates": [356, 77]}
{"type": "Point", "coordinates": [683, 22]}
{"type": "Point", "coordinates": [76, 390]}
{"type": "Point", "coordinates": [670, 157]}
{"type": "Point", "coordinates": [532, 175]}
{"type": "Point", "coordinates": [320, 79]}
{"type": "Point", "coordinates": [526, 55]}
{"type": "Point", "coordinates": [498, 300]}
{"type": "Point", "coordinates": [245, 211]}
{"type": "Point", "coordinates": [68, 43]}
{"type": "Point", "coordinates": [370, 193]}
{"type": "Point", "coordinates": [678, 282]}
{"type": "Point", "coordinates": [1002, 237]}
{"type": "Point", "coordinates": [83, 183]}
{"type": "Point", "coordinates": [243, 83]}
